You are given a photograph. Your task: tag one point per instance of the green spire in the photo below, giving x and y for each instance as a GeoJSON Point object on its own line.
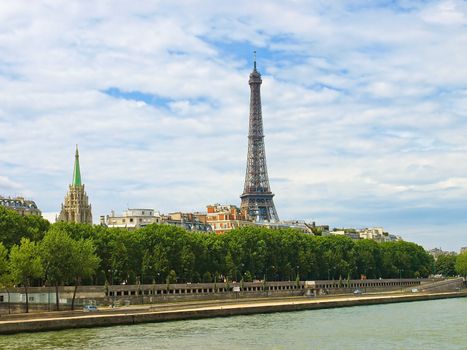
{"type": "Point", "coordinates": [76, 171]}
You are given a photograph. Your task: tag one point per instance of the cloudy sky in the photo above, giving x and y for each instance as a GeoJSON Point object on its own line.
{"type": "Point", "coordinates": [364, 107]}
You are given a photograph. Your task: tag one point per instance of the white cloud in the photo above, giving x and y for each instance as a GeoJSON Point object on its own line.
{"type": "Point", "coordinates": [8, 186]}
{"type": "Point", "coordinates": [446, 12]}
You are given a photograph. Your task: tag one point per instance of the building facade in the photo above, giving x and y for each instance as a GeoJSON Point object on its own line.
{"type": "Point", "coordinates": [20, 205]}
{"type": "Point", "coordinates": [132, 219]}
{"type": "Point", "coordinates": [76, 207]}
{"type": "Point", "coordinates": [377, 234]}
{"type": "Point", "coordinates": [437, 252]}
{"type": "Point", "coordinates": [188, 221]}
{"type": "Point", "coordinates": [374, 233]}
{"type": "Point", "coordinates": [224, 218]}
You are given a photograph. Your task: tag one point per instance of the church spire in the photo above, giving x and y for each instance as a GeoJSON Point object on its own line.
{"type": "Point", "coordinates": [76, 171]}
{"type": "Point", "coordinates": [76, 207]}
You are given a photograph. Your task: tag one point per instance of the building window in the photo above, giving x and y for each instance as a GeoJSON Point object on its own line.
{"type": "Point", "coordinates": [131, 220]}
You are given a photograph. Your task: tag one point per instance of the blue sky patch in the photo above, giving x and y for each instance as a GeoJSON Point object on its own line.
{"type": "Point", "coordinates": [149, 99]}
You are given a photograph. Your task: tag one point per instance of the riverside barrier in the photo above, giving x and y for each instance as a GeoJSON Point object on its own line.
{"type": "Point", "coordinates": [44, 298]}
{"type": "Point", "coordinates": [128, 317]}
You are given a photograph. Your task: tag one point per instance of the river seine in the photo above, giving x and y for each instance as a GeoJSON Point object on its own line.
{"type": "Point", "coordinates": [439, 324]}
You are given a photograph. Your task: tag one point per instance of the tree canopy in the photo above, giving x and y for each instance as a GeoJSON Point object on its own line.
{"type": "Point", "coordinates": [151, 253]}
{"type": "Point", "coordinates": [79, 253]}
{"type": "Point", "coordinates": [14, 226]}
{"type": "Point", "coordinates": [461, 264]}
{"type": "Point", "coordinates": [25, 264]}
{"type": "Point", "coordinates": [445, 265]}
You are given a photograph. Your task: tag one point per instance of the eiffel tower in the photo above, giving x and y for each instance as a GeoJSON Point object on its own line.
{"type": "Point", "coordinates": [257, 200]}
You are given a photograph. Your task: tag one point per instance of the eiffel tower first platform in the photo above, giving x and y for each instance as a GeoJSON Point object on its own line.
{"type": "Point", "coordinates": [257, 202]}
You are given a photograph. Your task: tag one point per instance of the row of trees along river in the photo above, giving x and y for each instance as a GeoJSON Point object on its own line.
{"type": "Point", "coordinates": [35, 253]}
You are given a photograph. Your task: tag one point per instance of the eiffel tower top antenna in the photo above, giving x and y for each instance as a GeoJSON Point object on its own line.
{"type": "Point", "coordinates": [254, 60]}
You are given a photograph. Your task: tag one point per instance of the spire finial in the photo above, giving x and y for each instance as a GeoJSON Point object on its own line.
{"type": "Point", "coordinates": [76, 170]}
{"type": "Point", "coordinates": [254, 60]}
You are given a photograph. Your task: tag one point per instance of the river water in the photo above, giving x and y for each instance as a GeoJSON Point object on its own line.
{"type": "Point", "coordinates": [438, 324]}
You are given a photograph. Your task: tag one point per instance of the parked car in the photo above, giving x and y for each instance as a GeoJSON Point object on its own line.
{"type": "Point", "coordinates": [89, 308]}
{"type": "Point", "coordinates": [357, 292]}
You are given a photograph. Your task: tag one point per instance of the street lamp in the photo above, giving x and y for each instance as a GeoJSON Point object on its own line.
{"type": "Point", "coordinates": [151, 274]}
{"type": "Point", "coordinates": [239, 270]}
{"type": "Point", "coordinates": [112, 273]}
{"type": "Point", "coordinates": [400, 278]}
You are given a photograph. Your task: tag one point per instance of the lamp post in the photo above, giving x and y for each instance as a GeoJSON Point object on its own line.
{"type": "Point", "coordinates": [151, 274]}
{"type": "Point", "coordinates": [240, 269]}
{"type": "Point", "coordinates": [114, 292]}
{"type": "Point", "coordinates": [139, 289]}
{"type": "Point", "coordinates": [400, 278]}
{"type": "Point", "coordinates": [112, 274]}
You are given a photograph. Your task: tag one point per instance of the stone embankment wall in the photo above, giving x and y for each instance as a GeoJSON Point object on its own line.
{"type": "Point", "coordinates": [44, 297]}
{"type": "Point", "coordinates": [446, 285]}
{"type": "Point", "coordinates": [200, 291]}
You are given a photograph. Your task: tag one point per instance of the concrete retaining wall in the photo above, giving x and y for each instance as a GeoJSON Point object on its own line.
{"type": "Point", "coordinates": [43, 298]}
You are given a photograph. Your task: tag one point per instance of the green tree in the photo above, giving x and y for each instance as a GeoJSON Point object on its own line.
{"type": "Point", "coordinates": [405, 259]}
{"type": "Point", "coordinates": [3, 260]}
{"type": "Point", "coordinates": [101, 237]}
{"type": "Point", "coordinates": [85, 263]}
{"type": "Point", "coordinates": [230, 268]}
{"type": "Point", "coordinates": [171, 277]}
{"type": "Point", "coordinates": [25, 265]}
{"type": "Point", "coordinates": [188, 260]}
{"type": "Point", "coordinates": [445, 265]}
{"type": "Point", "coordinates": [152, 252]}
{"type": "Point", "coordinates": [5, 276]}
{"type": "Point", "coordinates": [461, 264]}
{"type": "Point", "coordinates": [14, 226]}
{"type": "Point", "coordinates": [207, 277]}
{"type": "Point", "coordinates": [57, 251]}
{"type": "Point", "coordinates": [339, 255]}
{"type": "Point", "coordinates": [248, 276]}
{"type": "Point", "coordinates": [368, 258]}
